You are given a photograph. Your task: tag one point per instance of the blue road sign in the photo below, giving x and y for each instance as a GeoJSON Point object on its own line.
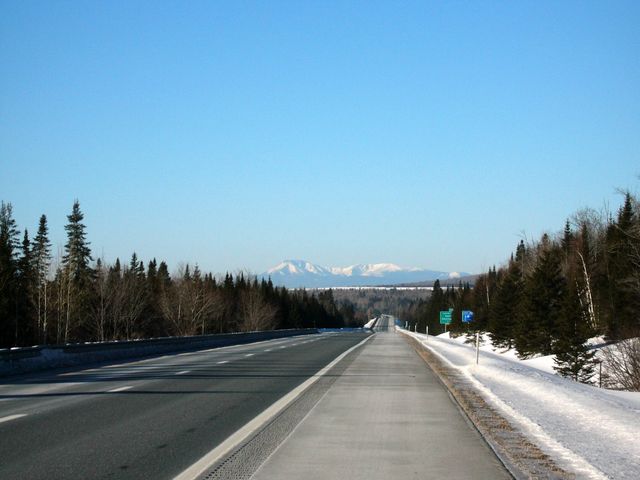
{"type": "Point", "coordinates": [467, 316]}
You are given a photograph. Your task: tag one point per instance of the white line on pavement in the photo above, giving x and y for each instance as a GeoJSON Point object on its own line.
{"type": "Point", "coordinates": [12, 417]}
{"type": "Point", "coordinates": [183, 372]}
{"type": "Point", "coordinates": [120, 389]}
{"type": "Point", "coordinates": [223, 361]}
{"type": "Point", "coordinates": [258, 422]}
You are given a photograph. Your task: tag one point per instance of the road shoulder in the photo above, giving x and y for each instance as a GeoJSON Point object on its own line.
{"type": "Point", "coordinates": [386, 416]}
{"type": "Point", "coordinates": [521, 457]}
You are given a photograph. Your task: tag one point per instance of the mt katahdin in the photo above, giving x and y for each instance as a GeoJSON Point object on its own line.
{"type": "Point", "coordinates": [300, 273]}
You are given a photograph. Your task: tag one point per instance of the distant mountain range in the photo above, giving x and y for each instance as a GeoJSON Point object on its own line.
{"type": "Point", "coordinates": [301, 273]}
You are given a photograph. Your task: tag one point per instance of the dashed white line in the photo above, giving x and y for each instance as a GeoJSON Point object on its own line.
{"type": "Point", "coordinates": [120, 389]}
{"type": "Point", "coordinates": [12, 417]}
{"type": "Point", "coordinates": [268, 350]}
{"type": "Point", "coordinates": [249, 354]}
{"type": "Point", "coordinates": [183, 372]}
{"type": "Point", "coordinates": [223, 361]}
{"type": "Point", "coordinates": [258, 422]}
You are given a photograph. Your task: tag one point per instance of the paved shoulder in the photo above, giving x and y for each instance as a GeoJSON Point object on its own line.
{"type": "Point", "coordinates": [386, 416]}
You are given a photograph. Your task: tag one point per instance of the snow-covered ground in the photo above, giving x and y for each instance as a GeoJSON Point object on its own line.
{"type": "Point", "coordinates": [590, 431]}
{"type": "Point", "coordinates": [370, 323]}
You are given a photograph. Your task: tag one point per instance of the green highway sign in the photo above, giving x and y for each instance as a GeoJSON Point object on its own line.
{"type": "Point", "coordinates": [445, 317]}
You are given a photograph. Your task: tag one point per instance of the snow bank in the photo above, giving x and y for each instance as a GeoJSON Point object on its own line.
{"type": "Point", "coordinates": [370, 323]}
{"type": "Point", "coordinates": [590, 431]}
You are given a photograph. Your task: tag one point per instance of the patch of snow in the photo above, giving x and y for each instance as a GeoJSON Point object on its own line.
{"type": "Point", "coordinates": [370, 323]}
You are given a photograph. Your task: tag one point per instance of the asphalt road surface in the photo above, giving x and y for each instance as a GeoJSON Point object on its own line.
{"type": "Point", "coordinates": [152, 418]}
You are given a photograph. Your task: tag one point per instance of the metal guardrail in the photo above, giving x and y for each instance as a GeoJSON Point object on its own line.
{"type": "Point", "coordinates": [44, 357]}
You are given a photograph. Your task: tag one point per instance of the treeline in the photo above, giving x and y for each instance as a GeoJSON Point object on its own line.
{"type": "Point", "coordinates": [368, 303]}
{"type": "Point", "coordinates": [555, 293]}
{"type": "Point", "coordinates": [82, 300]}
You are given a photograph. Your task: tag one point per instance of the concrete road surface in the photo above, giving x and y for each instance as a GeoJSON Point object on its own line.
{"type": "Point", "coordinates": [149, 419]}
{"type": "Point", "coordinates": [385, 417]}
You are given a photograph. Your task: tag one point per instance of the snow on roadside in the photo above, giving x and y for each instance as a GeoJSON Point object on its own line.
{"type": "Point", "coordinates": [370, 323]}
{"type": "Point", "coordinates": [590, 431]}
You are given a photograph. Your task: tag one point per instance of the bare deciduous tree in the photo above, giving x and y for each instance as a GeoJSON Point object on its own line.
{"type": "Point", "coordinates": [621, 363]}
{"type": "Point", "coordinates": [257, 314]}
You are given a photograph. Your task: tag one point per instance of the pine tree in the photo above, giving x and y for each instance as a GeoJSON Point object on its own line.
{"type": "Point", "coordinates": [437, 302]}
{"type": "Point", "coordinates": [77, 272]}
{"type": "Point", "coordinates": [8, 275]}
{"type": "Point", "coordinates": [506, 306]}
{"type": "Point", "coordinates": [41, 254]}
{"type": "Point", "coordinates": [572, 356]}
{"type": "Point", "coordinates": [25, 331]}
{"type": "Point", "coordinates": [623, 244]}
{"type": "Point", "coordinates": [543, 295]}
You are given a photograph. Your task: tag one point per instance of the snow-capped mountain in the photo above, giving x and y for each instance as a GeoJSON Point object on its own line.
{"type": "Point", "coordinates": [301, 273]}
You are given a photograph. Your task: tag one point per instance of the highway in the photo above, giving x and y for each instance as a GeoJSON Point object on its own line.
{"type": "Point", "coordinates": [334, 405]}
{"type": "Point", "coordinates": [151, 418]}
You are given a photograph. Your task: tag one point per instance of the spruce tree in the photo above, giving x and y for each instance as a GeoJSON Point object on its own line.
{"type": "Point", "coordinates": [572, 356]}
{"type": "Point", "coordinates": [623, 244]}
{"type": "Point", "coordinates": [505, 309]}
{"type": "Point", "coordinates": [41, 254]}
{"type": "Point", "coordinates": [542, 305]}
{"type": "Point", "coordinates": [8, 275]}
{"type": "Point", "coordinates": [25, 313]}
{"type": "Point", "coordinates": [78, 273]}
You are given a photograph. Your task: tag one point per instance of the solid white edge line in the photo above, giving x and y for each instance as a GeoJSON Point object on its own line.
{"type": "Point", "coordinates": [258, 422]}
{"type": "Point", "coordinates": [12, 417]}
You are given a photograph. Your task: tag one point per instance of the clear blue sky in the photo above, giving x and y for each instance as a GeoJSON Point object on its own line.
{"type": "Point", "coordinates": [236, 134]}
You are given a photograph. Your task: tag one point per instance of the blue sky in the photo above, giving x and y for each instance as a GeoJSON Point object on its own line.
{"type": "Point", "coordinates": [237, 134]}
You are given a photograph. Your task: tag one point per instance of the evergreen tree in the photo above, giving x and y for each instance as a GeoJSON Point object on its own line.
{"type": "Point", "coordinates": [623, 244]}
{"type": "Point", "coordinates": [77, 272]}
{"type": "Point", "coordinates": [8, 275]}
{"type": "Point", "coordinates": [41, 254]}
{"type": "Point", "coordinates": [506, 307]}
{"type": "Point", "coordinates": [572, 356]}
{"type": "Point", "coordinates": [543, 297]}
{"type": "Point", "coordinates": [436, 303]}
{"type": "Point", "coordinates": [25, 331]}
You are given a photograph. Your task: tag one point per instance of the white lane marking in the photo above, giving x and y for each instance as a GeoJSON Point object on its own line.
{"type": "Point", "coordinates": [284, 346]}
{"type": "Point", "coordinates": [258, 422]}
{"type": "Point", "coordinates": [268, 350]}
{"type": "Point", "coordinates": [223, 361]}
{"type": "Point", "coordinates": [249, 354]}
{"type": "Point", "coordinates": [12, 417]}
{"type": "Point", "coordinates": [183, 372]}
{"type": "Point", "coordinates": [120, 389]}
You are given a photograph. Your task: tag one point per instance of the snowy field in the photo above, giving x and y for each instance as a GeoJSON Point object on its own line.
{"type": "Point", "coordinates": [590, 431]}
